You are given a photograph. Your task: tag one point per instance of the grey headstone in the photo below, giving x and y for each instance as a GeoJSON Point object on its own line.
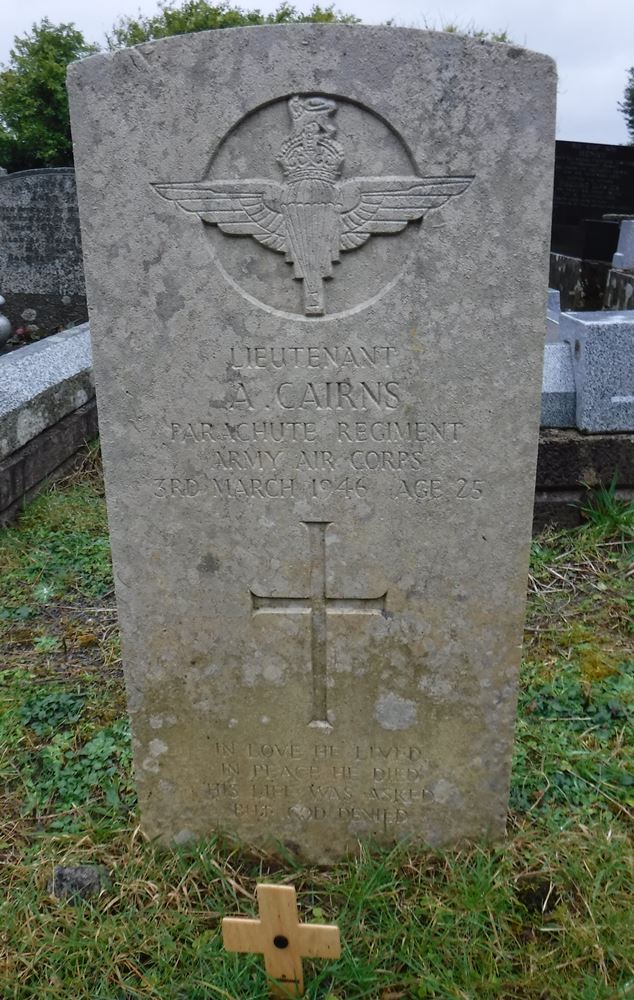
{"type": "Point", "coordinates": [320, 491]}
{"type": "Point", "coordinates": [602, 345]}
{"type": "Point", "coordinates": [40, 247]}
{"type": "Point", "coordinates": [623, 259]}
{"type": "Point", "coordinates": [41, 383]}
{"type": "Point", "coordinates": [558, 387]}
{"type": "Point", "coordinates": [78, 881]}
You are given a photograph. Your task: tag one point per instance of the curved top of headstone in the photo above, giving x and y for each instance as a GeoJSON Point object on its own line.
{"type": "Point", "coordinates": [274, 33]}
{"type": "Point", "coordinates": [249, 161]}
{"type": "Point", "coordinates": [35, 172]}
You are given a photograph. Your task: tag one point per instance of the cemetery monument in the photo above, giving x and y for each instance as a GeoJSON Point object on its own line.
{"type": "Point", "coordinates": [41, 271]}
{"type": "Point", "coordinates": [316, 261]}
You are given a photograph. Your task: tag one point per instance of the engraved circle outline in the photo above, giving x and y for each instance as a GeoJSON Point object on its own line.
{"type": "Point", "coordinates": [417, 225]}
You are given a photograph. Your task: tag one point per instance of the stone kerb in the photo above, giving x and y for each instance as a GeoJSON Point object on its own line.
{"type": "Point", "coordinates": [47, 413]}
{"type": "Point", "coordinates": [602, 348]}
{"type": "Point", "coordinates": [42, 383]}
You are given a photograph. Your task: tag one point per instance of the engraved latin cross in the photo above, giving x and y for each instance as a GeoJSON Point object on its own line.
{"type": "Point", "coordinates": [318, 605]}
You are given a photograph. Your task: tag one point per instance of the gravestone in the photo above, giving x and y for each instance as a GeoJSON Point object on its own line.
{"type": "Point", "coordinates": [41, 269]}
{"type": "Point", "coordinates": [319, 384]}
{"type": "Point", "coordinates": [592, 179]}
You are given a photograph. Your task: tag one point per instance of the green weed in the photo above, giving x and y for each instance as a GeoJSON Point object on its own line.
{"type": "Point", "coordinates": [45, 711]}
{"type": "Point", "coordinates": [47, 644]}
{"type": "Point", "coordinates": [608, 516]}
{"type": "Point", "coordinates": [72, 768]}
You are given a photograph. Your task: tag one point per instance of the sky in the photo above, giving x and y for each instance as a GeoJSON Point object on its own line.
{"type": "Point", "coordinates": [592, 41]}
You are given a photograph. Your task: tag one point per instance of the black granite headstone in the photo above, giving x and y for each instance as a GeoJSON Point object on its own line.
{"type": "Point", "coordinates": [591, 180]}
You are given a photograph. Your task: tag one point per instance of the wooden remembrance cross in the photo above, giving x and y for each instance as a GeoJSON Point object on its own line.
{"type": "Point", "coordinates": [318, 605]}
{"type": "Point", "coordinates": [279, 936]}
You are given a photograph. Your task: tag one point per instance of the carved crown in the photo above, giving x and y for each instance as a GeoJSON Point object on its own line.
{"type": "Point", "coordinates": [311, 155]}
{"type": "Point", "coordinates": [311, 152]}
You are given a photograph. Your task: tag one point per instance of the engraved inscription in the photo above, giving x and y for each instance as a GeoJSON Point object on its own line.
{"type": "Point", "coordinates": [323, 781]}
{"type": "Point", "coordinates": [312, 216]}
{"type": "Point", "coordinates": [318, 605]}
{"type": "Point", "coordinates": [364, 434]}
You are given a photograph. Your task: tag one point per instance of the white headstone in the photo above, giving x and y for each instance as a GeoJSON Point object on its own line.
{"type": "Point", "coordinates": [317, 262]}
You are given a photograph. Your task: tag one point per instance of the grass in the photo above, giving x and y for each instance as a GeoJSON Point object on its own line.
{"type": "Point", "coordinates": [546, 915]}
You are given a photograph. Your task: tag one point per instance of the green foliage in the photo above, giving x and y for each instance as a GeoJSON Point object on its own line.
{"type": "Point", "coordinates": [60, 548]}
{"type": "Point", "coordinates": [574, 754]}
{"type": "Point", "coordinates": [198, 15]}
{"type": "Point", "coordinates": [47, 644]}
{"type": "Point", "coordinates": [626, 106]}
{"type": "Point", "coordinates": [607, 516]}
{"type": "Point", "coordinates": [479, 33]}
{"type": "Point", "coordinates": [82, 782]}
{"type": "Point", "coordinates": [34, 120]}
{"type": "Point", "coordinates": [470, 30]}
{"type": "Point", "coordinates": [74, 765]}
{"type": "Point", "coordinates": [45, 711]}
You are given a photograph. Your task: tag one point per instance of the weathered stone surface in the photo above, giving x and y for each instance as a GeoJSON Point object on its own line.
{"type": "Point", "coordinates": [78, 881]}
{"type": "Point", "coordinates": [51, 313]}
{"type": "Point", "coordinates": [41, 265]}
{"type": "Point", "coordinates": [46, 458]}
{"type": "Point", "coordinates": [602, 346]}
{"type": "Point", "coordinates": [558, 387]}
{"type": "Point", "coordinates": [41, 383]}
{"type": "Point", "coordinates": [320, 491]}
{"type": "Point", "coordinates": [567, 459]}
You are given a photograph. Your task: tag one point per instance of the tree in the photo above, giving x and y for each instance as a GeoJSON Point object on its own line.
{"type": "Point", "coordinates": [34, 121]}
{"type": "Point", "coordinates": [198, 15]}
{"type": "Point", "coordinates": [626, 106]}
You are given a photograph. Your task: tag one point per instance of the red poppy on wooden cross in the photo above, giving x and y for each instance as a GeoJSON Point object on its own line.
{"type": "Point", "coordinates": [279, 936]}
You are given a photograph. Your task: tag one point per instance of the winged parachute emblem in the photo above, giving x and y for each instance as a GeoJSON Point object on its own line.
{"type": "Point", "coordinates": [312, 216]}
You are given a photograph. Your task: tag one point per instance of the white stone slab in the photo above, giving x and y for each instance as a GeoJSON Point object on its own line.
{"type": "Point", "coordinates": [558, 387]}
{"type": "Point", "coordinates": [41, 383]}
{"type": "Point", "coordinates": [623, 259]}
